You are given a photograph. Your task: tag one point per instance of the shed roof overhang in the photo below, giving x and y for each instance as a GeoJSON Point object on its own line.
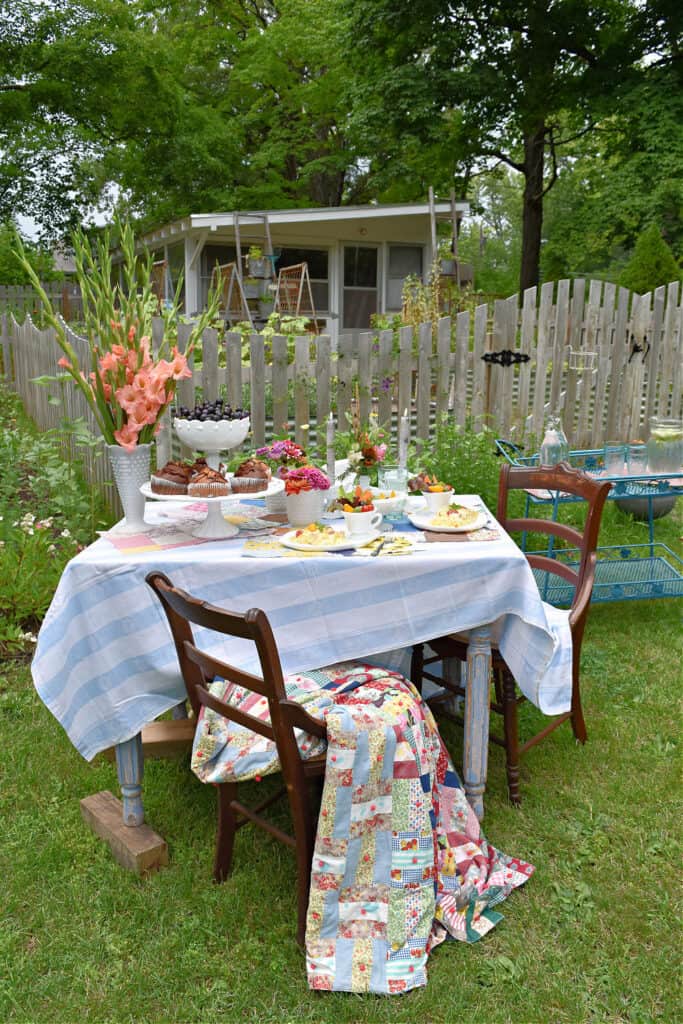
{"type": "Point", "coordinates": [386, 220]}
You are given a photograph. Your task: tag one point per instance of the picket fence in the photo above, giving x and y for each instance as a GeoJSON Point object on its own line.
{"type": "Point", "coordinates": [65, 296]}
{"type": "Point", "coordinates": [605, 358]}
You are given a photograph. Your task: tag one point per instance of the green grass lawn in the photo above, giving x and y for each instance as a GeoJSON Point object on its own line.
{"type": "Point", "coordinates": [594, 936]}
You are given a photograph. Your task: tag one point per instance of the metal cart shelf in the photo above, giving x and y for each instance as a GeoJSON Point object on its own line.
{"type": "Point", "coordinates": [623, 572]}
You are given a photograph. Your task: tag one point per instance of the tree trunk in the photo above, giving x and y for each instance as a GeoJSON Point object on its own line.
{"type": "Point", "coordinates": [532, 209]}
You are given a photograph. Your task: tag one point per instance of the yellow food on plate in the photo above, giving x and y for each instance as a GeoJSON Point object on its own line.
{"type": "Point", "coordinates": [317, 536]}
{"type": "Point", "coordinates": [455, 515]}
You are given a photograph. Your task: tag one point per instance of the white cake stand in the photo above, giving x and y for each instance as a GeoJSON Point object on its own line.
{"type": "Point", "coordinates": [214, 526]}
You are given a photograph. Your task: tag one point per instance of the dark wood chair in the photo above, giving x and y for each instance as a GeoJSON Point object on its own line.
{"type": "Point", "coordinates": [581, 576]}
{"type": "Point", "coordinates": [198, 670]}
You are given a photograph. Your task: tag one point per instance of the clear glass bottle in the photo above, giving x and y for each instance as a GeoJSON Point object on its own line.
{"type": "Point", "coordinates": [555, 447]}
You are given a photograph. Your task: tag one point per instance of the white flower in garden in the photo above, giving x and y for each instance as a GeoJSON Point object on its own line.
{"type": "Point", "coordinates": [30, 638]}
{"type": "Point", "coordinates": [52, 548]}
{"type": "Point", "coordinates": [65, 533]}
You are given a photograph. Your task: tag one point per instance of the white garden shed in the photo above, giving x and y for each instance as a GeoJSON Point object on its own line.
{"type": "Point", "coordinates": [357, 256]}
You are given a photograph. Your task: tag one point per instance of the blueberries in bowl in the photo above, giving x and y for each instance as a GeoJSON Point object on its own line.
{"type": "Point", "coordinates": [216, 412]}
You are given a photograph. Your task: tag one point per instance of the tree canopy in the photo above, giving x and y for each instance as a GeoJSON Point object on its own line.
{"type": "Point", "coordinates": [161, 108]}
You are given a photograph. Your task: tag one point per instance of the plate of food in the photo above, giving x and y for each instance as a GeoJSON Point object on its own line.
{"type": "Point", "coordinates": [453, 519]}
{"type": "Point", "coordinates": [320, 537]}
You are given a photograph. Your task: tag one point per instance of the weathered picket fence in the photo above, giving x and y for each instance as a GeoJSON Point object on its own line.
{"type": "Point", "coordinates": [65, 297]}
{"type": "Point", "coordinates": [605, 358]}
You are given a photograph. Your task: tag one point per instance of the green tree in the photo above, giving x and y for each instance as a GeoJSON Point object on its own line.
{"type": "Point", "coordinates": [651, 264]}
{"type": "Point", "coordinates": [167, 107]}
{"type": "Point", "coordinates": [11, 271]}
{"type": "Point", "coordinates": [506, 82]}
{"type": "Point", "coordinates": [616, 181]}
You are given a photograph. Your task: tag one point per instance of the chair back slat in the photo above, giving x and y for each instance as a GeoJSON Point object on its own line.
{"type": "Point", "coordinates": [213, 668]}
{"type": "Point", "coordinates": [547, 527]}
{"type": "Point", "coordinates": [554, 566]}
{"type": "Point", "coordinates": [243, 718]}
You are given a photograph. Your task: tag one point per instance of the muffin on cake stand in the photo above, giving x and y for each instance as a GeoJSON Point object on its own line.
{"type": "Point", "coordinates": [212, 437]}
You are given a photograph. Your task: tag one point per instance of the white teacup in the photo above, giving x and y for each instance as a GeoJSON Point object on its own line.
{"type": "Point", "coordinates": [360, 523]}
{"type": "Point", "coordinates": [436, 500]}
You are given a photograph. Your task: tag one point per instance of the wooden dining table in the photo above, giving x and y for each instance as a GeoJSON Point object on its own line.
{"type": "Point", "coordinates": [105, 664]}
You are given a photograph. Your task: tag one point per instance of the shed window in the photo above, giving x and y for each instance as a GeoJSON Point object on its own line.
{"type": "Point", "coordinates": [403, 260]}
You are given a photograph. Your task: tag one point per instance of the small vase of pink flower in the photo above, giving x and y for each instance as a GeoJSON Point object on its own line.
{"type": "Point", "coordinates": [282, 456]}
{"type": "Point", "coordinates": [305, 489]}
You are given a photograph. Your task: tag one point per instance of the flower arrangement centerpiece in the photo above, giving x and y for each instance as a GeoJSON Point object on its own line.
{"type": "Point", "coordinates": [364, 445]}
{"type": "Point", "coordinates": [305, 488]}
{"type": "Point", "coordinates": [282, 456]}
{"type": "Point", "coordinates": [125, 385]}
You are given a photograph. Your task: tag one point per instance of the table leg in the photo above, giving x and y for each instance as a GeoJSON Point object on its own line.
{"type": "Point", "coordinates": [477, 717]}
{"type": "Point", "coordinates": [130, 767]}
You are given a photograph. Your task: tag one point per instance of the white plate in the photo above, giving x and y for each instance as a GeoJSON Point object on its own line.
{"type": "Point", "coordinates": [345, 543]}
{"type": "Point", "coordinates": [274, 487]}
{"type": "Point", "coordinates": [422, 520]}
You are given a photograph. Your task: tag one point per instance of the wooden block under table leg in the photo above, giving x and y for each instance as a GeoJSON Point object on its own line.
{"type": "Point", "coordinates": [138, 849]}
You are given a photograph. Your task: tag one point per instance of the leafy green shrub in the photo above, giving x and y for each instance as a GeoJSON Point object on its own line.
{"type": "Point", "coordinates": [652, 263]}
{"type": "Point", "coordinates": [47, 512]}
{"type": "Point", "coordinates": [462, 457]}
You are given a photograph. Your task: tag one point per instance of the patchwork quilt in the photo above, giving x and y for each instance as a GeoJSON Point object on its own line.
{"type": "Point", "coordinates": [400, 861]}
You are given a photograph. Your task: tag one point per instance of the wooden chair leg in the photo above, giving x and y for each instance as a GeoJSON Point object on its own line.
{"type": "Point", "coordinates": [227, 826]}
{"type": "Point", "coordinates": [578, 723]}
{"type": "Point", "coordinates": [417, 666]}
{"type": "Point", "coordinates": [304, 830]}
{"type": "Point", "coordinates": [511, 736]}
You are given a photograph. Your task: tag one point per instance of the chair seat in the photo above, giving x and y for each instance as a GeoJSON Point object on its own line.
{"type": "Point", "coordinates": [224, 751]}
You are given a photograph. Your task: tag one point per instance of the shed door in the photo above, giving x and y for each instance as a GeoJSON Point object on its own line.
{"type": "Point", "coordinates": [360, 286]}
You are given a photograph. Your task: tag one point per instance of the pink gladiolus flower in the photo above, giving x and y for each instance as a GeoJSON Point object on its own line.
{"type": "Point", "coordinates": [180, 368]}
{"type": "Point", "coordinates": [109, 362]}
{"type": "Point", "coordinates": [115, 325]}
{"type": "Point", "coordinates": [64, 362]}
{"type": "Point", "coordinates": [131, 333]}
{"type": "Point", "coordinates": [127, 436]}
{"type": "Point", "coordinates": [145, 349]}
{"type": "Point", "coordinates": [119, 350]}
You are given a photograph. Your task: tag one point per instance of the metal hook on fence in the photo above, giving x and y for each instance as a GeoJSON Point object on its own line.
{"type": "Point", "coordinates": [635, 348]}
{"type": "Point", "coordinates": [507, 357]}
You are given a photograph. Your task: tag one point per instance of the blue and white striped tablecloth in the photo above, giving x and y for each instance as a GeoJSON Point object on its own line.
{"type": "Point", "coordinates": [105, 664]}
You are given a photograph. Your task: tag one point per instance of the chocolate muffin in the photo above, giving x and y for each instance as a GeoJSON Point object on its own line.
{"type": "Point", "coordinates": [208, 483]}
{"type": "Point", "coordinates": [251, 476]}
{"type": "Point", "coordinates": [172, 478]}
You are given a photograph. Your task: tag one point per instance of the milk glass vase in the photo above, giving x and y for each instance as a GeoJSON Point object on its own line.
{"type": "Point", "coordinates": [131, 471]}
{"type": "Point", "coordinates": [305, 507]}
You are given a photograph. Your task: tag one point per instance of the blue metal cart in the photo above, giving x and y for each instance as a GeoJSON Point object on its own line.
{"type": "Point", "coordinates": [623, 573]}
